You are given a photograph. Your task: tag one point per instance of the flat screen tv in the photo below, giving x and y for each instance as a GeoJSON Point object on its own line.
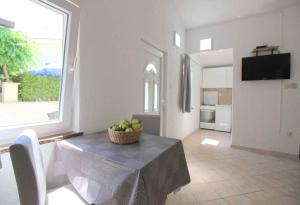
{"type": "Point", "coordinates": [269, 67]}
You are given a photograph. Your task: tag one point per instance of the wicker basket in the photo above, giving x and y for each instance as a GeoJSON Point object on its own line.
{"type": "Point", "coordinates": [124, 137]}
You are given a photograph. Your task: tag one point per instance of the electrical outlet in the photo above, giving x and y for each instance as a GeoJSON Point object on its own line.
{"type": "Point", "coordinates": [293, 86]}
{"type": "Point", "coordinates": [290, 134]}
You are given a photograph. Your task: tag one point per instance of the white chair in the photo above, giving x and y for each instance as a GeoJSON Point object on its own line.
{"type": "Point", "coordinates": [30, 175]}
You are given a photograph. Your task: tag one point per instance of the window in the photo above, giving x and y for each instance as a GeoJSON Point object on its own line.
{"type": "Point", "coordinates": [151, 89]}
{"type": "Point", "coordinates": [146, 108]}
{"type": "Point", "coordinates": [177, 40]}
{"type": "Point", "coordinates": [37, 56]}
{"type": "Point", "coordinates": [151, 69]}
{"type": "Point", "coordinates": [156, 97]}
{"type": "Point", "coordinates": [206, 44]}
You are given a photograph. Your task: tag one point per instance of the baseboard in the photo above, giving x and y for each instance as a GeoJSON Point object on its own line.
{"type": "Point", "coordinates": [267, 152]}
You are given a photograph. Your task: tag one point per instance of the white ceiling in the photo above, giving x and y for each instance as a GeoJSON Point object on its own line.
{"type": "Point", "coordinates": [195, 13]}
{"type": "Point", "coordinates": [214, 58]}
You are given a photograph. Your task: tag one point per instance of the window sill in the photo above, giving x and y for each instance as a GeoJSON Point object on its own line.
{"type": "Point", "coordinates": [46, 140]}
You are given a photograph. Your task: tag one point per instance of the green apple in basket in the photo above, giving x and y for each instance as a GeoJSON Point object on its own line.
{"type": "Point", "coordinates": [136, 124]}
{"type": "Point", "coordinates": [115, 128]}
{"type": "Point", "coordinates": [124, 124]}
{"type": "Point", "coordinates": [127, 126]}
{"type": "Point", "coordinates": [129, 130]}
{"type": "Point", "coordinates": [135, 121]}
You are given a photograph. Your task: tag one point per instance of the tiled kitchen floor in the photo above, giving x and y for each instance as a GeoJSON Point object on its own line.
{"type": "Point", "coordinates": [225, 176]}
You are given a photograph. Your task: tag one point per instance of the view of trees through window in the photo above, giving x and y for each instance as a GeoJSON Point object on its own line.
{"type": "Point", "coordinates": [31, 62]}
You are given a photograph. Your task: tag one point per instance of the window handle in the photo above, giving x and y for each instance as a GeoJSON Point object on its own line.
{"type": "Point", "coordinates": [73, 67]}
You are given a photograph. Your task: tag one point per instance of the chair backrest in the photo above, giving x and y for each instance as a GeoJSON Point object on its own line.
{"type": "Point", "coordinates": [29, 170]}
{"type": "Point", "coordinates": [150, 123]}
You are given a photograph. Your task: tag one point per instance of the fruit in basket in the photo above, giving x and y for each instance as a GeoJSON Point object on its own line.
{"type": "Point", "coordinates": [127, 126]}
{"type": "Point", "coordinates": [129, 130]}
{"type": "Point", "coordinates": [114, 128]}
{"type": "Point", "coordinates": [135, 121]}
{"type": "Point", "coordinates": [136, 126]}
{"type": "Point", "coordinates": [125, 132]}
{"type": "Point", "coordinates": [124, 124]}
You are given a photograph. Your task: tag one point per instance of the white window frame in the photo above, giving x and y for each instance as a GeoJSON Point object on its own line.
{"type": "Point", "coordinates": [64, 123]}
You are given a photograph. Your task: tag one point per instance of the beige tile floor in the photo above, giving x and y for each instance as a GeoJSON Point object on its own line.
{"type": "Point", "coordinates": [221, 175]}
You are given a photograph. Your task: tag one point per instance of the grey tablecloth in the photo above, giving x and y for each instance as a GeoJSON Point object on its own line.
{"type": "Point", "coordinates": [108, 174]}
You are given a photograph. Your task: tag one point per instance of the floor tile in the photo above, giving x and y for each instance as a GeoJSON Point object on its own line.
{"type": "Point", "coordinates": [214, 202]}
{"type": "Point", "coordinates": [238, 200]}
{"type": "Point", "coordinates": [222, 175]}
{"type": "Point", "coordinates": [204, 192]}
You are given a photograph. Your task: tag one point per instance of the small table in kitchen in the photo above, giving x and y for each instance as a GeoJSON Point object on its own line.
{"type": "Point", "coordinates": [143, 173]}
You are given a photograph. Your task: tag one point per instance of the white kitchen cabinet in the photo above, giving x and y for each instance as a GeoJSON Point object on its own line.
{"type": "Point", "coordinates": [223, 118]}
{"type": "Point", "coordinates": [220, 77]}
{"type": "Point", "coordinates": [229, 77]}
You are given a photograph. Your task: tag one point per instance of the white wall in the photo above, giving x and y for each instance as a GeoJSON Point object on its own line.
{"type": "Point", "coordinates": [214, 58]}
{"type": "Point", "coordinates": [112, 61]}
{"type": "Point", "coordinates": [263, 111]}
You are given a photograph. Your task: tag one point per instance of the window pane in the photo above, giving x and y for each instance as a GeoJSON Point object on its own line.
{"type": "Point", "coordinates": [177, 40]}
{"type": "Point", "coordinates": [151, 68]}
{"type": "Point", "coordinates": [31, 60]}
{"type": "Point", "coordinates": [205, 44]}
{"type": "Point", "coordinates": [146, 107]}
{"type": "Point", "coordinates": [156, 97]}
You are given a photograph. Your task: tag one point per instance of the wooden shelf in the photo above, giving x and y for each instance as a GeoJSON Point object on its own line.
{"type": "Point", "coordinates": [271, 49]}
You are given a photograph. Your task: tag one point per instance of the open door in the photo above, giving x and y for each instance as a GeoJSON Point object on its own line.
{"type": "Point", "coordinates": [153, 84]}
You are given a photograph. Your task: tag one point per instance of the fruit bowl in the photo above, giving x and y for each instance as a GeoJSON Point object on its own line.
{"type": "Point", "coordinates": [125, 132]}
{"type": "Point", "coordinates": [124, 137]}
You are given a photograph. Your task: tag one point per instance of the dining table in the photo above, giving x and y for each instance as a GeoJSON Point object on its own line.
{"type": "Point", "coordinates": [104, 173]}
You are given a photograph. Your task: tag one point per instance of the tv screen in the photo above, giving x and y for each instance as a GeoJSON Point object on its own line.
{"type": "Point", "coordinates": [269, 67]}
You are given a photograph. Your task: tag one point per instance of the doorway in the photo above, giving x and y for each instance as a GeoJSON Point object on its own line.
{"type": "Point", "coordinates": [216, 89]}
{"type": "Point", "coordinates": [153, 84]}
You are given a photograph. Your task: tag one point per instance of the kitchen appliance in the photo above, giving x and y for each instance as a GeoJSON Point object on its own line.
{"type": "Point", "coordinates": [210, 97]}
{"type": "Point", "coordinates": [207, 117]}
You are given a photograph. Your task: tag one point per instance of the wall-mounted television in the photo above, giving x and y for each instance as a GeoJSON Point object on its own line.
{"type": "Point", "coordinates": [269, 67]}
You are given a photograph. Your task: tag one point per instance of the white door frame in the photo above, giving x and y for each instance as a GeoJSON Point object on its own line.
{"type": "Point", "coordinates": [162, 101]}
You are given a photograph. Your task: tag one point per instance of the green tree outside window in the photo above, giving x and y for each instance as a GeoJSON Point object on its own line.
{"type": "Point", "coordinates": [17, 53]}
